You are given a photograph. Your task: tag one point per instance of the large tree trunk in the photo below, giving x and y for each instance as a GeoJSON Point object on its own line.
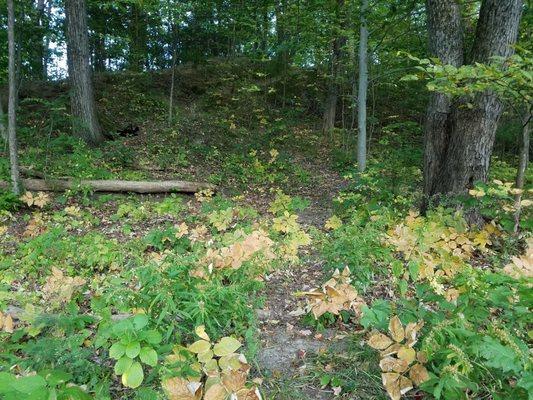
{"type": "Point", "coordinates": [362, 89]}
{"type": "Point", "coordinates": [460, 137]}
{"type": "Point", "coordinates": [446, 43]}
{"type": "Point", "coordinates": [11, 125]}
{"type": "Point", "coordinates": [82, 101]}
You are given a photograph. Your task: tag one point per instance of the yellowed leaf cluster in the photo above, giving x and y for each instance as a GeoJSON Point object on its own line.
{"type": "Point", "coordinates": [36, 226]}
{"type": "Point", "coordinates": [204, 195]}
{"type": "Point", "coordinates": [334, 296]}
{"type": "Point", "coordinates": [59, 288]}
{"type": "Point", "coordinates": [333, 223]}
{"type": "Point", "coordinates": [222, 372]}
{"type": "Point", "coordinates": [235, 255]}
{"type": "Point", "coordinates": [287, 223]}
{"type": "Point", "coordinates": [221, 220]}
{"type": "Point", "coordinates": [38, 200]}
{"type": "Point", "coordinates": [6, 323]}
{"type": "Point", "coordinates": [439, 250]}
{"type": "Point", "coordinates": [401, 365]}
{"type": "Point", "coordinates": [521, 267]}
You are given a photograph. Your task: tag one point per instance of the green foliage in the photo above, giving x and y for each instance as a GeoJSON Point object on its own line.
{"type": "Point", "coordinates": [47, 384]}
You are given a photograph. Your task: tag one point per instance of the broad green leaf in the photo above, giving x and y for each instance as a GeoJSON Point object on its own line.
{"type": "Point", "coordinates": [117, 350]}
{"type": "Point", "coordinates": [133, 376]}
{"type": "Point", "coordinates": [29, 384]}
{"type": "Point", "coordinates": [152, 336]}
{"type": "Point", "coordinates": [140, 321]}
{"type": "Point", "coordinates": [148, 356]}
{"type": "Point", "coordinates": [133, 349]}
{"type": "Point", "coordinates": [123, 365]}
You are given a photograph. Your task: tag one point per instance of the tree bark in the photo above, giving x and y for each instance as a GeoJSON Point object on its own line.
{"type": "Point", "coordinates": [58, 185]}
{"type": "Point", "coordinates": [82, 101]}
{"type": "Point", "coordinates": [330, 106]}
{"type": "Point", "coordinates": [460, 136]}
{"type": "Point", "coordinates": [523, 160]}
{"type": "Point", "coordinates": [3, 130]}
{"type": "Point", "coordinates": [12, 118]}
{"type": "Point", "coordinates": [445, 43]}
{"type": "Point", "coordinates": [362, 89]}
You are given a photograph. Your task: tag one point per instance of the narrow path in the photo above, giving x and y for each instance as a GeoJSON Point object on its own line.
{"type": "Point", "coordinates": [285, 342]}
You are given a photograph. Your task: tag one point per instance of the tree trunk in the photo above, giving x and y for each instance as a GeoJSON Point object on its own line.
{"type": "Point", "coordinates": [58, 185]}
{"type": "Point", "coordinates": [330, 106]}
{"type": "Point", "coordinates": [3, 130]}
{"type": "Point", "coordinates": [138, 38]}
{"type": "Point", "coordinates": [460, 136]}
{"type": "Point", "coordinates": [172, 83]}
{"type": "Point", "coordinates": [83, 106]}
{"type": "Point", "coordinates": [11, 126]}
{"type": "Point", "coordinates": [362, 89]}
{"type": "Point", "coordinates": [523, 159]}
{"type": "Point", "coordinates": [446, 43]}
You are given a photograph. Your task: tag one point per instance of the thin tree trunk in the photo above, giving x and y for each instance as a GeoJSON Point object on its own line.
{"type": "Point", "coordinates": [82, 101]}
{"type": "Point", "coordinates": [363, 89]}
{"type": "Point", "coordinates": [330, 106]}
{"type": "Point", "coordinates": [3, 130]}
{"type": "Point", "coordinates": [522, 167]}
{"type": "Point", "coordinates": [11, 127]}
{"type": "Point", "coordinates": [171, 98]}
{"type": "Point", "coordinates": [473, 128]}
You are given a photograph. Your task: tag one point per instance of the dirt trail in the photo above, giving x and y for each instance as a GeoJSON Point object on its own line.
{"type": "Point", "coordinates": [285, 342]}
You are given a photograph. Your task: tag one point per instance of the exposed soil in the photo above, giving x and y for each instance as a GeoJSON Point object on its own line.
{"type": "Point", "coordinates": [286, 342]}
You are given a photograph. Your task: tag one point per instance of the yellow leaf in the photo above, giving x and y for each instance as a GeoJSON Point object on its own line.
{"type": "Point", "coordinates": [396, 329]}
{"type": "Point", "coordinates": [200, 331]}
{"type": "Point", "coordinates": [391, 382]}
{"type": "Point", "coordinates": [405, 384]}
{"type": "Point", "coordinates": [177, 388]}
{"type": "Point", "coordinates": [407, 354]}
{"type": "Point", "coordinates": [216, 391]}
{"type": "Point", "coordinates": [8, 324]}
{"type": "Point", "coordinates": [333, 223]}
{"type": "Point", "coordinates": [379, 341]}
{"type": "Point", "coordinates": [418, 374]}
{"type": "Point", "coordinates": [206, 356]}
{"type": "Point", "coordinates": [226, 346]}
{"type": "Point", "coordinates": [200, 346]}
{"type": "Point", "coordinates": [391, 350]}
{"type": "Point", "coordinates": [234, 380]}
{"type": "Point", "coordinates": [390, 364]}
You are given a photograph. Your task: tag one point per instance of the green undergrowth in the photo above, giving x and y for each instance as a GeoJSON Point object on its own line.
{"type": "Point", "coordinates": [131, 280]}
{"type": "Point", "coordinates": [467, 285]}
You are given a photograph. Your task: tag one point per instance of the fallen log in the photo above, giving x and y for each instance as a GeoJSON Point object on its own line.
{"type": "Point", "coordinates": [58, 185]}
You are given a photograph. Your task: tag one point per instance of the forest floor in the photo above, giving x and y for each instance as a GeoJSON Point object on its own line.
{"type": "Point", "coordinates": [74, 262]}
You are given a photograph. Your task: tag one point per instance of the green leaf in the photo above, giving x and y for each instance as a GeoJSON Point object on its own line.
{"type": "Point", "coordinates": [148, 356]}
{"type": "Point", "coordinates": [227, 345]}
{"type": "Point", "coordinates": [123, 365]}
{"type": "Point", "coordinates": [29, 384]}
{"type": "Point", "coordinates": [140, 321]}
{"type": "Point", "coordinates": [117, 350]}
{"type": "Point", "coordinates": [499, 356]}
{"type": "Point", "coordinates": [152, 336]}
{"type": "Point", "coordinates": [526, 382]}
{"type": "Point", "coordinates": [133, 376]}
{"type": "Point", "coordinates": [133, 349]}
